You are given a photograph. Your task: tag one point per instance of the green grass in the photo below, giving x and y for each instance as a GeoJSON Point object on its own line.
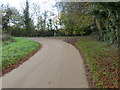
{"type": "Point", "coordinates": [16, 50]}
{"type": "Point", "coordinates": [102, 60]}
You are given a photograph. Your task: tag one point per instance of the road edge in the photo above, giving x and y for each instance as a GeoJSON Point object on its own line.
{"type": "Point", "coordinates": [19, 62]}
{"type": "Point", "coordinates": [88, 74]}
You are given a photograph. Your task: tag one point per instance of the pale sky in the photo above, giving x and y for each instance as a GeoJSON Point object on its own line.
{"type": "Point", "coordinates": [20, 4]}
{"type": "Point", "coordinates": [45, 4]}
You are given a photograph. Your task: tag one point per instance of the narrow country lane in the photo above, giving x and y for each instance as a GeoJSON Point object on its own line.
{"type": "Point", "coordinates": [56, 65]}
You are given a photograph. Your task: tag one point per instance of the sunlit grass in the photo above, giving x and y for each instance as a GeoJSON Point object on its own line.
{"type": "Point", "coordinates": [16, 50]}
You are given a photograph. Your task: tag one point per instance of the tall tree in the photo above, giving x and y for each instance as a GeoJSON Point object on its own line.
{"type": "Point", "coordinates": [73, 17]}
{"type": "Point", "coordinates": [28, 22]}
{"type": "Point", "coordinates": [7, 12]}
{"type": "Point", "coordinates": [50, 24]}
{"type": "Point", "coordinates": [45, 14]}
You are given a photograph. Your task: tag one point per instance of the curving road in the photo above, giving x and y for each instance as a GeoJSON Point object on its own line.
{"type": "Point", "coordinates": [57, 65]}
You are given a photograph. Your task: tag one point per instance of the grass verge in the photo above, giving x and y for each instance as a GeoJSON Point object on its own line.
{"type": "Point", "coordinates": [102, 61]}
{"type": "Point", "coordinates": [14, 51]}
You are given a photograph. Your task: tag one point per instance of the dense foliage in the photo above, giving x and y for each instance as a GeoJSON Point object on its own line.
{"type": "Point", "coordinates": [75, 19]}
{"type": "Point", "coordinates": [102, 19]}
{"type": "Point", "coordinates": [107, 21]}
{"type": "Point", "coordinates": [6, 38]}
{"type": "Point", "coordinates": [21, 23]}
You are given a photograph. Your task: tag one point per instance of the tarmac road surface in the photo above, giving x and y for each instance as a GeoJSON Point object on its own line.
{"type": "Point", "coordinates": [56, 65]}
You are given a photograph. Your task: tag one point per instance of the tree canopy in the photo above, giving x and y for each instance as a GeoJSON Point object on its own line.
{"type": "Point", "coordinates": [100, 19]}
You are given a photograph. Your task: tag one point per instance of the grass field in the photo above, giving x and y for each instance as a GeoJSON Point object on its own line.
{"type": "Point", "coordinates": [102, 60]}
{"type": "Point", "coordinates": [16, 50]}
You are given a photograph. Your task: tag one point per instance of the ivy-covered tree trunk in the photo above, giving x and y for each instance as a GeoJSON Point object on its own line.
{"type": "Point", "coordinates": [107, 15]}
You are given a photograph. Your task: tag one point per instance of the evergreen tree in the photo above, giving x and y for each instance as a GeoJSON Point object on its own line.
{"type": "Point", "coordinates": [27, 20]}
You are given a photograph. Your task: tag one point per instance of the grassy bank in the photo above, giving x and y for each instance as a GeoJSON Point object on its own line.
{"type": "Point", "coordinates": [102, 60]}
{"type": "Point", "coordinates": [16, 50]}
